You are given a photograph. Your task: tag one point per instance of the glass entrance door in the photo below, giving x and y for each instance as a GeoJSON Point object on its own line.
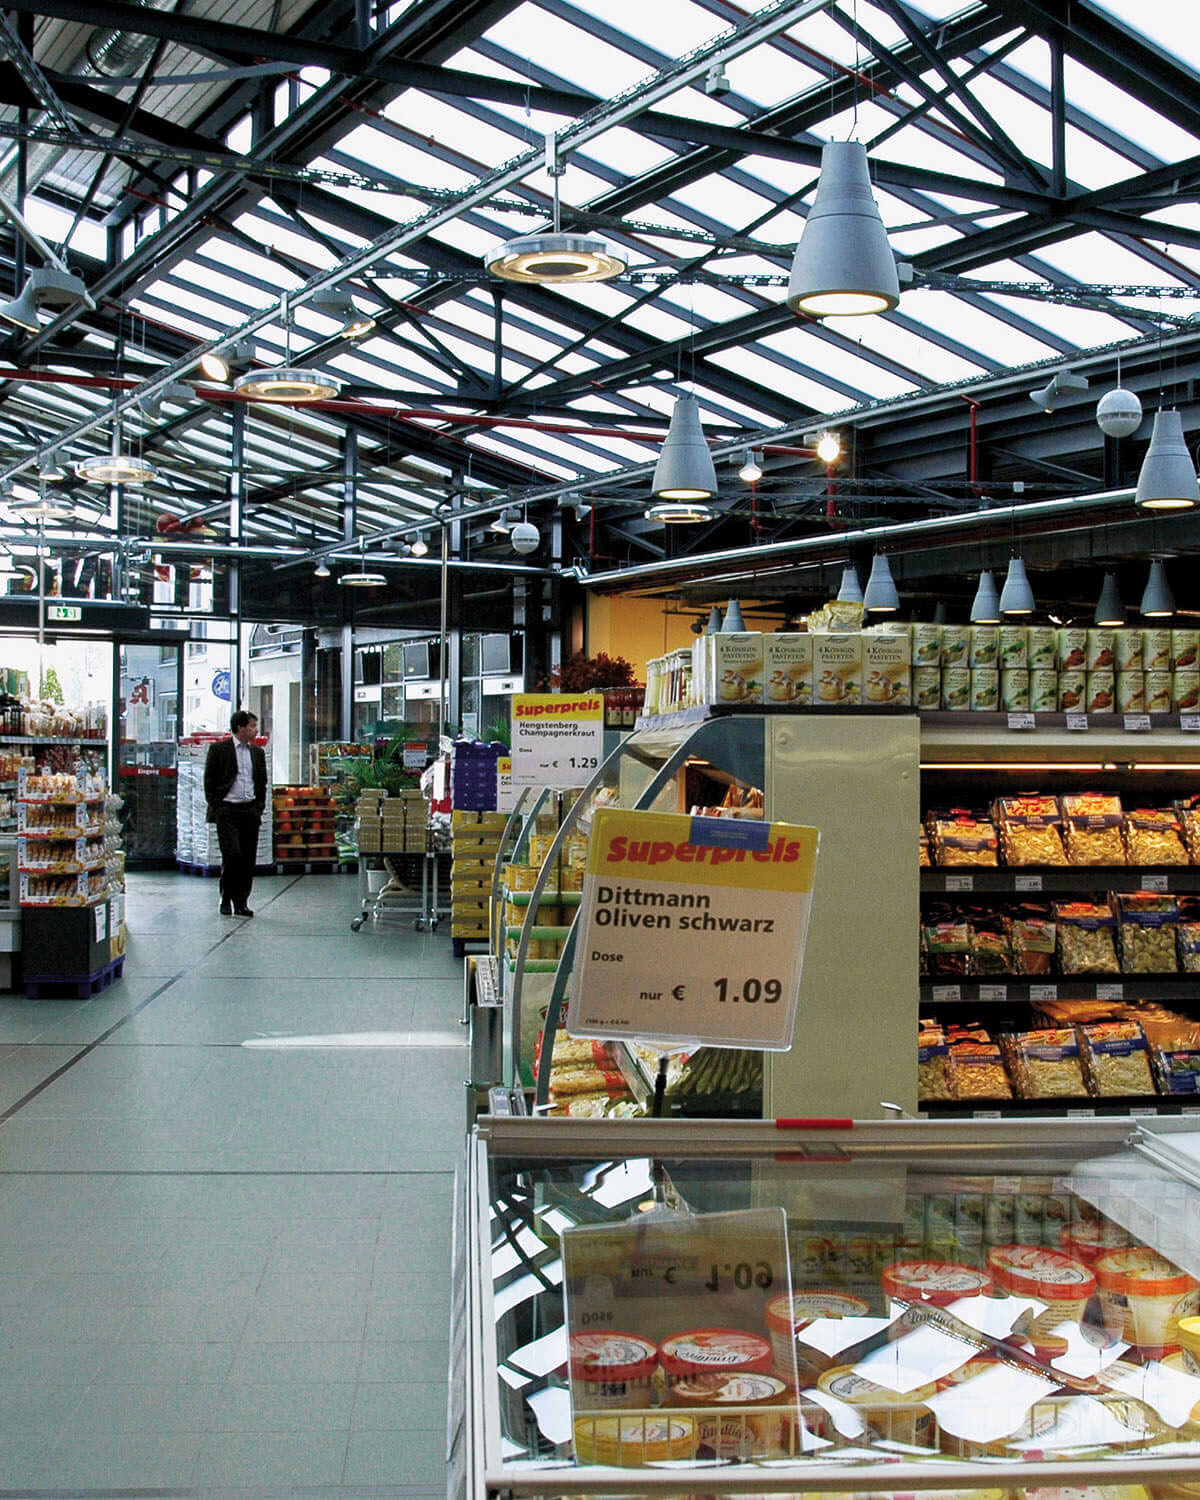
{"type": "Point", "coordinates": [147, 749]}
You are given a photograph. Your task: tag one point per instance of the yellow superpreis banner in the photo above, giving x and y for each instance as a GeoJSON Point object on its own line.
{"type": "Point", "coordinates": [692, 929]}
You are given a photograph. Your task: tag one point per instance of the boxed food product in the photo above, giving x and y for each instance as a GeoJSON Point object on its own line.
{"type": "Point", "coordinates": [1030, 830]}
{"type": "Point", "coordinates": [985, 690]}
{"type": "Point", "coordinates": [1117, 1058]}
{"type": "Point", "coordinates": [737, 665]}
{"type": "Point", "coordinates": [1131, 691]}
{"type": "Point", "coordinates": [837, 669]}
{"type": "Point", "coordinates": [985, 645]}
{"type": "Point", "coordinates": [1100, 694]}
{"type": "Point", "coordinates": [788, 667]}
{"type": "Point", "coordinates": [926, 642]}
{"type": "Point", "coordinates": [990, 952]}
{"type": "Point", "coordinates": [1185, 650]}
{"type": "Point", "coordinates": [1046, 1064]}
{"type": "Point", "coordinates": [1187, 944]}
{"type": "Point", "coordinates": [956, 687]}
{"type": "Point", "coordinates": [1127, 650]}
{"type": "Point", "coordinates": [1043, 690]}
{"type": "Point", "coordinates": [1188, 812]}
{"type": "Point", "coordinates": [1014, 646]}
{"type": "Point", "coordinates": [927, 687]}
{"type": "Point", "coordinates": [947, 945]}
{"type": "Point", "coordinates": [962, 838]}
{"type": "Point", "coordinates": [1072, 649]}
{"type": "Point", "coordinates": [956, 645]}
{"type": "Point", "coordinates": [1043, 648]}
{"type": "Point", "coordinates": [1146, 928]}
{"type": "Point", "coordinates": [932, 1062]}
{"type": "Point", "coordinates": [1185, 690]}
{"type": "Point", "coordinates": [886, 674]}
{"type": "Point", "coordinates": [1086, 934]}
{"type": "Point", "coordinates": [1156, 649]}
{"type": "Point", "coordinates": [1072, 689]}
{"type": "Point", "coordinates": [977, 1069]}
{"type": "Point", "coordinates": [1177, 1071]}
{"type": "Point", "coordinates": [1154, 836]}
{"type": "Point", "coordinates": [1093, 822]}
{"type": "Point", "coordinates": [923, 859]}
{"type": "Point", "coordinates": [1158, 692]}
{"type": "Point", "coordinates": [1032, 938]}
{"type": "Point", "coordinates": [1100, 649]}
{"type": "Point", "coordinates": [1014, 689]}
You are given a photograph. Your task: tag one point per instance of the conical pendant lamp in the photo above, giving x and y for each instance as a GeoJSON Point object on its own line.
{"type": "Point", "coordinates": [985, 607]}
{"type": "Point", "coordinates": [880, 596]}
{"type": "Point", "coordinates": [843, 264]}
{"type": "Point", "coordinates": [1016, 597]}
{"type": "Point", "coordinates": [1158, 602]}
{"type": "Point", "coordinates": [684, 470]}
{"type": "Point", "coordinates": [714, 621]}
{"type": "Point", "coordinates": [1110, 607]}
{"type": "Point", "coordinates": [851, 590]}
{"type": "Point", "coordinates": [1167, 480]}
{"type": "Point", "coordinates": [733, 619]}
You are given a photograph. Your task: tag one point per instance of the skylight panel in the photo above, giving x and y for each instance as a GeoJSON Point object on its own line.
{"type": "Point", "coordinates": [577, 58]}
{"type": "Point", "coordinates": [970, 325]}
{"type": "Point", "coordinates": [1093, 257]}
{"type": "Point", "coordinates": [718, 198]}
{"type": "Point", "coordinates": [453, 130]}
{"type": "Point", "coordinates": [1123, 111]}
{"type": "Point", "coordinates": [840, 363]}
{"type": "Point", "coordinates": [671, 27]}
{"type": "Point", "coordinates": [489, 442]}
{"type": "Point", "coordinates": [804, 390]}
{"type": "Point", "coordinates": [917, 147]}
{"type": "Point", "coordinates": [1084, 327]}
{"type": "Point", "coordinates": [1160, 25]}
{"type": "Point", "coordinates": [693, 104]}
{"type": "Point", "coordinates": [658, 324]}
{"type": "Point", "coordinates": [909, 348]}
{"type": "Point", "coordinates": [381, 148]}
{"type": "Point", "coordinates": [766, 75]}
{"type": "Point", "coordinates": [628, 152]}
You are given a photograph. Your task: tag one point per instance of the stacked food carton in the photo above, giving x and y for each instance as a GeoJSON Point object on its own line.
{"type": "Point", "coordinates": [474, 844]}
{"type": "Point", "coordinates": [397, 824]}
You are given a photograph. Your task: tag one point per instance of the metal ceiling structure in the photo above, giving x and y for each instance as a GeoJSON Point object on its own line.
{"type": "Point", "coordinates": [210, 167]}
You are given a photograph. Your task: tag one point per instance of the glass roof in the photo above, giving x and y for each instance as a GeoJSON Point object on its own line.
{"type": "Point", "coordinates": [975, 177]}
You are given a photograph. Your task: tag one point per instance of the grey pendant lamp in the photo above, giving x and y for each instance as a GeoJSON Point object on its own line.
{"type": "Point", "coordinates": [1016, 597]}
{"type": "Point", "coordinates": [851, 590]}
{"type": "Point", "coordinates": [985, 607]}
{"type": "Point", "coordinates": [880, 596]}
{"type": "Point", "coordinates": [714, 621]}
{"type": "Point", "coordinates": [843, 265]}
{"type": "Point", "coordinates": [684, 470]}
{"type": "Point", "coordinates": [733, 619]}
{"type": "Point", "coordinates": [1110, 607]}
{"type": "Point", "coordinates": [1167, 480]}
{"type": "Point", "coordinates": [1158, 602]}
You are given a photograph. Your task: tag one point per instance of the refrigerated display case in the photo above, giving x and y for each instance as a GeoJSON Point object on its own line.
{"type": "Point", "coordinates": [1004, 1308]}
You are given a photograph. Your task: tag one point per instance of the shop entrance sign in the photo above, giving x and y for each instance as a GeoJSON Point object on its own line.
{"type": "Point", "coordinates": [692, 929]}
{"type": "Point", "coordinates": [557, 738]}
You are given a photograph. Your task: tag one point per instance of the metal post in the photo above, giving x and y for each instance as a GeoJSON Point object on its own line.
{"type": "Point", "coordinates": [237, 481]}
{"type": "Point", "coordinates": [349, 526]}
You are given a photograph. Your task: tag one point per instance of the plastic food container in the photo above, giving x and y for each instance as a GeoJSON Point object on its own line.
{"type": "Point", "coordinates": [610, 1369]}
{"type": "Point", "coordinates": [705, 1351]}
{"type": "Point", "coordinates": [1144, 1296]}
{"type": "Point", "coordinates": [1052, 1277]}
{"type": "Point", "coordinates": [787, 1317]}
{"type": "Point", "coordinates": [938, 1281]}
{"type": "Point", "coordinates": [1087, 1239]}
{"type": "Point", "coordinates": [740, 1415]}
{"type": "Point", "coordinates": [1189, 1344]}
{"type": "Point", "coordinates": [631, 1442]}
{"type": "Point", "coordinates": [889, 1416]}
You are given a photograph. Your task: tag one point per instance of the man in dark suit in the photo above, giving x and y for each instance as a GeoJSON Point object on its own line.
{"type": "Point", "coordinates": [235, 788]}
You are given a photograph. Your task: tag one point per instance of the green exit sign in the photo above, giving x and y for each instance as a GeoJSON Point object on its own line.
{"type": "Point", "coordinates": [64, 613]}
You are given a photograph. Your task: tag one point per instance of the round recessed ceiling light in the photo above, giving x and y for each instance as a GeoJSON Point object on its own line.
{"type": "Point", "coordinates": [41, 508]}
{"type": "Point", "coordinates": [680, 512]}
{"type": "Point", "coordinates": [363, 580]}
{"type": "Point", "coordinates": [286, 384]}
{"type": "Point", "coordinates": [555, 258]}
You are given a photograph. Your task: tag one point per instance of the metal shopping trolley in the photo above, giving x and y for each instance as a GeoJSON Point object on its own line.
{"type": "Point", "coordinates": [398, 885]}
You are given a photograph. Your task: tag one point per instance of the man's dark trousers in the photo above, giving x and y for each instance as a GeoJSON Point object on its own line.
{"type": "Point", "coordinates": [237, 834]}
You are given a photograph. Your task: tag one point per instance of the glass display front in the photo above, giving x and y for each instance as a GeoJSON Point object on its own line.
{"type": "Point", "coordinates": [1040, 1307]}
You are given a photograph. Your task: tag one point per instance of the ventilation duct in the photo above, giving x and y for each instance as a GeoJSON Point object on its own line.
{"type": "Point", "coordinates": [116, 54]}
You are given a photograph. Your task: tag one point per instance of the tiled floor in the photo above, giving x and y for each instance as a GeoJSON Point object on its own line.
{"type": "Point", "coordinates": [225, 1266]}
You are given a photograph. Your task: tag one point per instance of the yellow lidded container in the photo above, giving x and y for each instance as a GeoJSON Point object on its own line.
{"type": "Point", "coordinates": [629, 1442]}
{"type": "Point", "coordinates": [890, 1415]}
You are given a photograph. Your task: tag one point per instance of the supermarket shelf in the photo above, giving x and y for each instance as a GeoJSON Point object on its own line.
{"type": "Point", "coordinates": [977, 992]}
{"type": "Point", "coordinates": [41, 739]}
{"type": "Point", "coordinates": [1083, 1109]}
{"type": "Point", "coordinates": [548, 898]}
{"type": "Point", "coordinates": [487, 982]}
{"type": "Point", "coordinates": [1072, 879]}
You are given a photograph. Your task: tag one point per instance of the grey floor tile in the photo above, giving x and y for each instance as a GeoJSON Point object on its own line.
{"type": "Point", "coordinates": [26, 1461]}
{"type": "Point", "coordinates": [36, 1406]}
{"type": "Point", "coordinates": [167, 1363]}
{"type": "Point", "coordinates": [108, 1461]}
{"type": "Point", "coordinates": [399, 1458]}
{"type": "Point", "coordinates": [108, 1407]}
{"type": "Point", "coordinates": [304, 1363]}
{"type": "Point", "coordinates": [237, 1460]}
{"type": "Point", "coordinates": [400, 1406]}
{"type": "Point", "coordinates": [284, 1406]}
{"type": "Point", "coordinates": [395, 1360]}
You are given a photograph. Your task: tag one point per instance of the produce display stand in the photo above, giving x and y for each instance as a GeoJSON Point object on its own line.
{"type": "Point", "coordinates": [304, 819]}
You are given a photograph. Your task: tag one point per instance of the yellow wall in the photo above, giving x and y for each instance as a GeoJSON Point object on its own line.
{"type": "Point", "coordinates": [636, 629]}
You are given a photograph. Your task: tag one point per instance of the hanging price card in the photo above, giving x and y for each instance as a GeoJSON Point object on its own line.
{"type": "Point", "coordinates": [692, 929]}
{"type": "Point", "coordinates": [557, 738]}
{"type": "Point", "coordinates": [506, 793]}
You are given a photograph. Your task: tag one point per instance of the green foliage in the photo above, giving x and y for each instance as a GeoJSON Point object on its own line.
{"type": "Point", "coordinates": [580, 673]}
{"type": "Point", "coordinates": [51, 687]}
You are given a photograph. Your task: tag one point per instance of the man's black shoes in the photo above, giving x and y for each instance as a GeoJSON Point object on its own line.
{"type": "Point", "coordinates": [243, 911]}
{"type": "Point", "coordinates": [226, 909]}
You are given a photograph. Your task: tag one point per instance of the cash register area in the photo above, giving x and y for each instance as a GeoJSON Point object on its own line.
{"type": "Point", "coordinates": [225, 1203]}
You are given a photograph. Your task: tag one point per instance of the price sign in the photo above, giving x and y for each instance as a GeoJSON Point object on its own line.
{"type": "Point", "coordinates": [1022, 721]}
{"type": "Point", "coordinates": [1077, 721]}
{"type": "Point", "coordinates": [1110, 992]}
{"type": "Point", "coordinates": [1081, 1114]}
{"type": "Point", "coordinates": [944, 994]}
{"type": "Point", "coordinates": [506, 793]}
{"type": "Point", "coordinates": [1190, 723]}
{"type": "Point", "coordinates": [1156, 882]}
{"type": "Point", "coordinates": [1027, 883]}
{"type": "Point", "coordinates": [960, 882]}
{"type": "Point", "coordinates": [697, 1284]}
{"type": "Point", "coordinates": [993, 992]}
{"type": "Point", "coordinates": [1043, 992]}
{"type": "Point", "coordinates": [415, 756]}
{"type": "Point", "coordinates": [557, 738]}
{"type": "Point", "coordinates": [1137, 723]}
{"type": "Point", "coordinates": [692, 929]}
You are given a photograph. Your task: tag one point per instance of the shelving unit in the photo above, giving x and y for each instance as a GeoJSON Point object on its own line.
{"type": "Point", "coordinates": [304, 823]}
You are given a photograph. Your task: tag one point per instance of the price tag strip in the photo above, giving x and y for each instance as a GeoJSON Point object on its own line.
{"type": "Point", "coordinates": [699, 1287]}
{"type": "Point", "coordinates": [557, 738]}
{"type": "Point", "coordinates": [692, 929]}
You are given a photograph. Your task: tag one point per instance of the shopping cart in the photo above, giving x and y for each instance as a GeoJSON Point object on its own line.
{"type": "Point", "coordinates": [398, 886]}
